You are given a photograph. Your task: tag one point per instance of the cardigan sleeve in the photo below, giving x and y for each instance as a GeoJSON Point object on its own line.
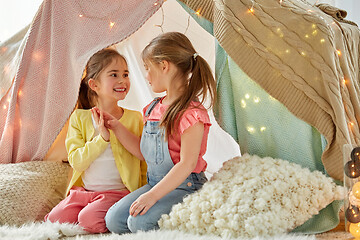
{"type": "Point", "coordinates": [81, 153]}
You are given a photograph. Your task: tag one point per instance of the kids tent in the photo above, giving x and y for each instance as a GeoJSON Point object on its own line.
{"type": "Point", "coordinates": [287, 74]}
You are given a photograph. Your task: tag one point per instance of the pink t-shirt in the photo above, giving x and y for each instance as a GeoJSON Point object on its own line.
{"type": "Point", "coordinates": [188, 119]}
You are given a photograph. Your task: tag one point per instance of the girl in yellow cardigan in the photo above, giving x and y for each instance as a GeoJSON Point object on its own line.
{"type": "Point", "coordinates": [107, 164]}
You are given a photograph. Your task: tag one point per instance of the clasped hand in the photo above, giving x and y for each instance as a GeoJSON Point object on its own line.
{"type": "Point", "coordinates": [104, 122]}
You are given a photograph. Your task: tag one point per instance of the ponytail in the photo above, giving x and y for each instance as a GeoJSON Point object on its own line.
{"type": "Point", "coordinates": [85, 100]}
{"type": "Point", "coordinates": [199, 83]}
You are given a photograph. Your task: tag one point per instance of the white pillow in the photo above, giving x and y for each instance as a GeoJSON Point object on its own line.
{"type": "Point", "coordinates": [29, 190]}
{"type": "Point", "coordinates": [252, 196]}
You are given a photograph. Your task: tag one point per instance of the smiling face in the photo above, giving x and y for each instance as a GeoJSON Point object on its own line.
{"type": "Point", "coordinates": [113, 82]}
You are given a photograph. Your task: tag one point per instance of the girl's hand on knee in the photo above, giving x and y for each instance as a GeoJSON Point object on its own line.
{"type": "Point", "coordinates": [142, 204]}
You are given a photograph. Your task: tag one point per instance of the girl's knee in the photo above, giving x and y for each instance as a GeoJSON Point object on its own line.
{"type": "Point", "coordinates": [115, 221]}
{"type": "Point", "coordinates": [141, 223]}
{"type": "Point", "coordinates": [61, 217]}
{"type": "Point", "coordinates": [92, 221]}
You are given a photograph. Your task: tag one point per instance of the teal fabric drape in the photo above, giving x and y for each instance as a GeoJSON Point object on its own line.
{"type": "Point", "coordinates": [263, 126]}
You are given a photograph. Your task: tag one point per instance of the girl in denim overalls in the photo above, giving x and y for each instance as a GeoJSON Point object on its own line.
{"type": "Point", "coordinates": [175, 134]}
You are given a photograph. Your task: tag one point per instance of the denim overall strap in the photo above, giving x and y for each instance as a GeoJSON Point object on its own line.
{"type": "Point", "coordinates": [157, 156]}
{"type": "Point", "coordinates": [152, 105]}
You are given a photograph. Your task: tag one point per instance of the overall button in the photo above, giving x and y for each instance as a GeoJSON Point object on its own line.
{"type": "Point", "coordinates": [189, 184]}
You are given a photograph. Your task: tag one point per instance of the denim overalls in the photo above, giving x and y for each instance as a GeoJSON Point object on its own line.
{"type": "Point", "coordinates": [156, 153]}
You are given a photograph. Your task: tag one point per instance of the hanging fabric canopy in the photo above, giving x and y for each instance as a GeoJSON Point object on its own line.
{"type": "Point", "coordinates": [60, 40]}
{"type": "Point", "coordinates": [312, 68]}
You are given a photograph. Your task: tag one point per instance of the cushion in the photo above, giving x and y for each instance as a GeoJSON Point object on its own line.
{"type": "Point", "coordinates": [29, 190]}
{"type": "Point", "coordinates": [251, 196]}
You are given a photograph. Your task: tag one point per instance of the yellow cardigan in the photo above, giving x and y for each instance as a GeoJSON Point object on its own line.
{"type": "Point", "coordinates": [83, 148]}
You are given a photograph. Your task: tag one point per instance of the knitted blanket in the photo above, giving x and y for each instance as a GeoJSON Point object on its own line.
{"type": "Point", "coordinates": [45, 79]}
{"type": "Point", "coordinates": [300, 55]}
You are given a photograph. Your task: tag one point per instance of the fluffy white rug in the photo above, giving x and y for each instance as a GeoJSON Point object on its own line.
{"type": "Point", "coordinates": [47, 230]}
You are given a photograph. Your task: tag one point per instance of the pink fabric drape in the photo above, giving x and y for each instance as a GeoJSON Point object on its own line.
{"type": "Point", "coordinates": [61, 38]}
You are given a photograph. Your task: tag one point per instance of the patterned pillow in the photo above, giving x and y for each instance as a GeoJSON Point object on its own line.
{"type": "Point", "coordinates": [252, 196]}
{"type": "Point", "coordinates": [29, 190]}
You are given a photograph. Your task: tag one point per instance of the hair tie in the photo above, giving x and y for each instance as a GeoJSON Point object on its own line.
{"type": "Point", "coordinates": [195, 55]}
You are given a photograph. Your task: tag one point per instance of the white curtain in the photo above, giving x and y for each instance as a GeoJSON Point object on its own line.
{"type": "Point", "coordinates": [221, 146]}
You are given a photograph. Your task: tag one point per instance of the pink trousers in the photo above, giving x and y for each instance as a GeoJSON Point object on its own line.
{"type": "Point", "coordinates": [86, 208]}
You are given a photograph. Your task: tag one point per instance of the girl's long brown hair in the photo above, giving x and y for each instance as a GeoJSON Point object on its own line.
{"type": "Point", "coordinates": [199, 83]}
{"type": "Point", "coordinates": [96, 64]}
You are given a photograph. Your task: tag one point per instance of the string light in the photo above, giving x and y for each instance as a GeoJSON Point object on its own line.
{"type": "Point", "coordinates": [256, 99]}
{"type": "Point", "coordinates": [251, 129]}
{"type": "Point", "coordinates": [198, 12]}
{"type": "Point", "coordinates": [322, 40]}
{"type": "Point", "coordinates": [4, 107]}
{"type": "Point", "coordinates": [111, 24]}
{"type": "Point", "coordinates": [243, 103]}
{"type": "Point", "coordinates": [80, 15]}
{"type": "Point", "coordinates": [338, 52]}
{"type": "Point", "coordinates": [247, 96]}
{"type": "Point", "coordinates": [251, 10]}
{"type": "Point", "coordinates": [262, 129]}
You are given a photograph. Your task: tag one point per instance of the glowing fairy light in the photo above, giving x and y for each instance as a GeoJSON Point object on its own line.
{"type": "Point", "coordinates": [303, 53]}
{"type": "Point", "coordinates": [4, 107]}
{"type": "Point", "coordinates": [256, 99]}
{"type": "Point", "coordinates": [198, 12]}
{"type": "Point", "coordinates": [338, 52]}
{"type": "Point", "coordinates": [322, 40]}
{"type": "Point", "coordinates": [251, 10]}
{"type": "Point", "coordinates": [80, 15]}
{"type": "Point", "coordinates": [313, 26]}
{"type": "Point", "coordinates": [307, 36]}
{"type": "Point", "coordinates": [314, 32]}
{"type": "Point", "coordinates": [262, 129]}
{"type": "Point", "coordinates": [155, 4]}
{"type": "Point", "coordinates": [250, 129]}
{"type": "Point", "coordinates": [111, 24]}
{"type": "Point", "coordinates": [243, 103]}
{"type": "Point", "coordinates": [20, 93]}
{"type": "Point", "coordinates": [287, 51]}
{"type": "Point", "coordinates": [247, 96]}
{"type": "Point", "coordinates": [344, 81]}
{"type": "Point", "coordinates": [37, 56]}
